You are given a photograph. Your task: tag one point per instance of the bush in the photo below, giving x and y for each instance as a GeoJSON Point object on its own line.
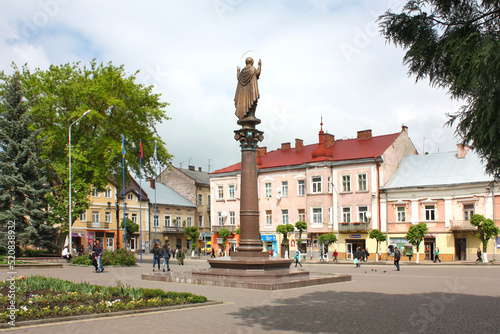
{"type": "Point", "coordinates": [3, 250]}
{"type": "Point", "coordinates": [120, 257]}
{"type": "Point", "coordinates": [35, 252]}
{"type": "Point", "coordinates": [82, 260]}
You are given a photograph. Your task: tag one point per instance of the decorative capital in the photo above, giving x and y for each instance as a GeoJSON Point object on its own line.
{"type": "Point", "coordinates": [248, 138]}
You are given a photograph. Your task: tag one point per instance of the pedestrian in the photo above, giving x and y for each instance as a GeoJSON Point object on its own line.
{"type": "Point", "coordinates": [98, 255]}
{"type": "Point", "coordinates": [367, 254]}
{"type": "Point", "coordinates": [297, 257]}
{"type": "Point", "coordinates": [156, 256]}
{"type": "Point", "coordinates": [271, 253]}
{"type": "Point", "coordinates": [90, 251]}
{"type": "Point", "coordinates": [357, 257]}
{"type": "Point", "coordinates": [180, 256]}
{"type": "Point", "coordinates": [335, 256]}
{"type": "Point", "coordinates": [436, 255]}
{"type": "Point", "coordinates": [363, 255]}
{"type": "Point", "coordinates": [213, 253]}
{"type": "Point", "coordinates": [479, 255]}
{"type": "Point", "coordinates": [397, 257]}
{"type": "Point", "coordinates": [165, 252]}
{"type": "Point", "coordinates": [66, 254]}
{"type": "Point", "coordinates": [220, 252]}
{"type": "Point", "coordinates": [322, 256]}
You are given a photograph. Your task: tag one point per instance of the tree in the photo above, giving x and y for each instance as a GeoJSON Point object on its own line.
{"type": "Point", "coordinates": [131, 229]}
{"type": "Point", "coordinates": [193, 234]}
{"type": "Point", "coordinates": [486, 229]}
{"type": "Point", "coordinates": [224, 233]}
{"type": "Point", "coordinates": [285, 229]}
{"type": "Point", "coordinates": [327, 239]}
{"type": "Point", "coordinates": [60, 95]}
{"type": "Point", "coordinates": [455, 44]}
{"type": "Point", "coordinates": [379, 237]}
{"type": "Point", "coordinates": [416, 234]}
{"type": "Point", "coordinates": [301, 227]}
{"type": "Point", "coordinates": [23, 173]}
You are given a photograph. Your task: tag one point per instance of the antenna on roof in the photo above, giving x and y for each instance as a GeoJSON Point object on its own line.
{"type": "Point", "coordinates": [209, 165]}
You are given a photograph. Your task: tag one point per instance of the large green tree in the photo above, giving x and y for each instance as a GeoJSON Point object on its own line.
{"type": "Point", "coordinates": [379, 237]}
{"type": "Point", "coordinates": [486, 229]}
{"type": "Point", "coordinates": [455, 44]}
{"type": "Point", "coordinates": [193, 234]}
{"type": "Point", "coordinates": [61, 94]}
{"type": "Point", "coordinates": [416, 234]}
{"type": "Point", "coordinates": [23, 173]}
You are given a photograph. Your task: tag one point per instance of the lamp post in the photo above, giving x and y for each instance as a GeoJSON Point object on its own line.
{"type": "Point", "coordinates": [117, 225]}
{"type": "Point", "coordinates": [70, 221]}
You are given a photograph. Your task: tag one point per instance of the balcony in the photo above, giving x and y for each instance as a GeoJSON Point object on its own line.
{"type": "Point", "coordinates": [461, 225]}
{"type": "Point", "coordinates": [354, 227]}
{"type": "Point", "coordinates": [170, 229]}
{"type": "Point", "coordinates": [217, 228]}
{"type": "Point", "coordinates": [98, 225]}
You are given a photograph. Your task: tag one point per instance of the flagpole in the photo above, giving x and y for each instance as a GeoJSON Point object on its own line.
{"type": "Point", "coordinates": [124, 204]}
{"type": "Point", "coordinates": [155, 220]}
{"type": "Point", "coordinates": [140, 200]}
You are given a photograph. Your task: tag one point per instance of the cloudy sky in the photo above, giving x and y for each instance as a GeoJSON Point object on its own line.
{"type": "Point", "coordinates": [319, 58]}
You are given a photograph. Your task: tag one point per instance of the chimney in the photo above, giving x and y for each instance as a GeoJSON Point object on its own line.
{"type": "Point", "coordinates": [285, 146]}
{"type": "Point", "coordinates": [299, 144]}
{"type": "Point", "coordinates": [199, 169]}
{"type": "Point", "coordinates": [462, 150]}
{"type": "Point", "coordinates": [404, 128]}
{"type": "Point", "coordinates": [364, 134]}
{"type": "Point", "coordinates": [261, 151]}
{"type": "Point", "coordinates": [191, 168]}
{"type": "Point", "coordinates": [329, 140]}
{"type": "Point", "coordinates": [152, 182]}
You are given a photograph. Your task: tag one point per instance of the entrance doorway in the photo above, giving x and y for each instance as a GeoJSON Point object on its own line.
{"type": "Point", "coordinates": [429, 244]}
{"type": "Point", "coordinates": [460, 249]}
{"type": "Point", "coordinates": [352, 245]}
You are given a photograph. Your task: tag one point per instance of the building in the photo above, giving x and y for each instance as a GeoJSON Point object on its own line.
{"type": "Point", "coordinates": [442, 190]}
{"type": "Point", "coordinates": [194, 185]}
{"type": "Point", "coordinates": [332, 185]}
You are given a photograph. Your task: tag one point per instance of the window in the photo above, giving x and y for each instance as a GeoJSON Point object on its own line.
{"type": "Point", "coordinates": [316, 184]}
{"type": "Point", "coordinates": [284, 188]}
{"type": "Point", "coordinates": [231, 191]}
{"type": "Point", "coordinates": [130, 196]}
{"type": "Point", "coordinates": [468, 211]}
{"type": "Point", "coordinates": [107, 217]}
{"type": "Point", "coordinates": [362, 182]}
{"type": "Point", "coordinates": [208, 202]}
{"type": "Point", "coordinates": [220, 218]}
{"type": "Point", "coordinates": [430, 213]}
{"type": "Point", "coordinates": [95, 216]}
{"type": "Point", "coordinates": [178, 221]}
{"type": "Point", "coordinates": [220, 192]}
{"type": "Point", "coordinates": [166, 220]}
{"type": "Point", "coordinates": [95, 193]}
{"type": "Point", "coordinates": [155, 221]}
{"type": "Point", "coordinates": [189, 221]}
{"type": "Point", "coordinates": [200, 199]}
{"type": "Point", "coordinates": [401, 213]}
{"type": "Point", "coordinates": [346, 183]}
{"type": "Point", "coordinates": [317, 215]}
{"type": "Point", "coordinates": [329, 184]}
{"type": "Point", "coordinates": [269, 218]}
{"type": "Point", "coordinates": [232, 218]}
{"type": "Point", "coordinates": [362, 210]}
{"type": "Point", "coordinates": [107, 193]}
{"type": "Point", "coordinates": [268, 190]}
{"type": "Point", "coordinates": [346, 215]}
{"type": "Point", "coordinates": [134, 217]}
{"type": "Point", "coordinates": [200, 221]}
{"type": "Point", "coordinates": [301, 215]}
{"type": "Point", "coordinates": [301, 187]}
{"type": "Point", "coordinates": [284, 217]}
{"type": "Point", "coordinates": [83, 217]}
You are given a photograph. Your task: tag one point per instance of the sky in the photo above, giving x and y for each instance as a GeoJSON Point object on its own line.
{"type": "Point", "coordinates": [320, 59]}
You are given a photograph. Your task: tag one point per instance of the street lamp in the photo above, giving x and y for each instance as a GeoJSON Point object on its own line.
{"type": "Point", "coordinates": [70, 221]}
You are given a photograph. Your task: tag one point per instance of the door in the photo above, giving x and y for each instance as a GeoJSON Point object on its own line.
{"type": "Point", "coordinates": [110, 243]}
{"type": "Point", "coordinates": [348, 253]}
{"type": "Point", "coordinates": [460, 248]}
{"type": "Point", "coordinates": [429, 250]}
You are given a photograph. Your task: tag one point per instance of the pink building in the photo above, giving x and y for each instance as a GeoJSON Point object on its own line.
{"type": "Point", "coordinates": [332, 185]}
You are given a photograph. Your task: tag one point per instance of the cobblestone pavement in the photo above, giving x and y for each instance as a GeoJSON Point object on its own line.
{"type": "Point", "coordinates": [418, 299]}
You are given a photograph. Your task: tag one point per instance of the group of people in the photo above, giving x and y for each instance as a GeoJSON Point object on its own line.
{"type": "Point", "coordinates": [360, 255]}
{"type": "Point", "coordinates": [166, 254]}
{"type": "Point", "coordinates": [95, 252]}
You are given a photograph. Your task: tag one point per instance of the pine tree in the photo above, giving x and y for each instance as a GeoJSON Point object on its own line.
{"type": "Point", "coordinates": [23, 174]}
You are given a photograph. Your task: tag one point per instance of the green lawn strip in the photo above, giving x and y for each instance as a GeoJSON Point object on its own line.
{"type": "Point", "coordinates": [39, 297]}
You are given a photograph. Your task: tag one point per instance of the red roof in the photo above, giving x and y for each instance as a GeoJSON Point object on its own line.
{"type": "Point", "coordinates": [346, 149]}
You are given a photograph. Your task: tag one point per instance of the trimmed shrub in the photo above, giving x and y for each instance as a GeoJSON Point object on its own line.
{"type": "Point", "coordinates": [82, 260]}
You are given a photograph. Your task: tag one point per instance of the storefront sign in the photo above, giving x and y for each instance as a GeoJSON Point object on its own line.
{"type": "Point", "coordinates": [354, 236]}
{"type": "Point", "coordinates": [268, 237]}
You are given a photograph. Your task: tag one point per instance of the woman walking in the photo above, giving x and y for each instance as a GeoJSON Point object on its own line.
{"type": "Point", "coordinates": [156, 256]}
{"type": "Point", "coordinates": [165, 252]}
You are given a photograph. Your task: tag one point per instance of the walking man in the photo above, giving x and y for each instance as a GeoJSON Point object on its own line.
{"type": "Point", "coordinates": [335, 256]}
{"type": "Point", "coordinates": [297, 259]}
{"type": "Point", "coordinates": [397, 257]}
{"type": "Point", "coordinates": [436, 255]}
{"type": "Point", "coordinates": [479, 255]}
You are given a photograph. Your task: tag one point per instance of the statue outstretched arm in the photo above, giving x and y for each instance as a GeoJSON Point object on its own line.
{"type": "Point", "coordinates": [258, 69]}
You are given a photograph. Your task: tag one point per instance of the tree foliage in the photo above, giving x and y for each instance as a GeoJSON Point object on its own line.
{"type": "Point", "coordinates": [301, 227]}
{"type": "Point", "coordinates": [327, 238]}
{"type": "Point", "coordinates": [486, 229]}
{"type": "Point", "coordinates": [285, 229]}
{"type": "Point", "coordinates": [378, 236]}
{"type": "Point", "coordinates": [192, 233]}
{"type": "Point", "coordinates": [224, 233]}
{"type": "Point", "coordinates": [131, 228]}
{"type": "Point", "coordinates": [58, 96]}
{"type": "Point", "coordinates": [416, 234]}
{"type": "Point", "coordinates": [455, 44]}
{"type": "Point", "coordinates": [23, 172]}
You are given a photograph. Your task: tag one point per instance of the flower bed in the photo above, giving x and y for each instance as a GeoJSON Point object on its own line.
{"type": "Point", "coordinates": [39, 297]}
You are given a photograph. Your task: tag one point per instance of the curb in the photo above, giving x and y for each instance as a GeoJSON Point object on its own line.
{"type": "Point", "coordinates": [103, 315]}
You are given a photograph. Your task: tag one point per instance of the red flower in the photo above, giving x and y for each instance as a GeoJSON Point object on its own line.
{"type": "Point", "coordinates": [23, 277]}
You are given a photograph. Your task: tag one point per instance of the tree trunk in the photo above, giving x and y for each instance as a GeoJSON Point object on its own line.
{"type": "Point", "coordinates": [376, 253]}
{"type": "Point", "coordinates": [418, 254]}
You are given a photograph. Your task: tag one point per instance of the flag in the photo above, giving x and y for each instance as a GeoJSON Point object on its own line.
{"type": "Point", "coordinates": [123, 145]}
{"type": "Point", "coordinates": [140, 144]}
